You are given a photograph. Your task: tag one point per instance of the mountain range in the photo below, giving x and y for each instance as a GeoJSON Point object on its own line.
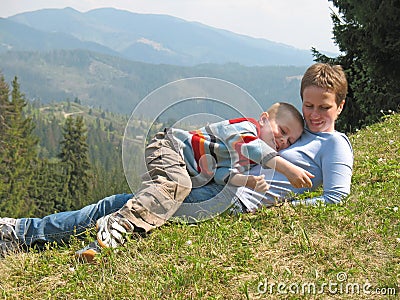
{"type": "Point", "coordinates": [150, 38]}
{"type": "Point", "coordinates": [112, 59]}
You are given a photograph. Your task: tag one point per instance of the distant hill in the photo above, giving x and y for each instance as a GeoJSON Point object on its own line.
{"type": "Point", "coordinates": [142, 37]}
{"type": "Point", "coordinates": [112, 59]}
{"type": "Point", "coordinates": [117, 84]}
{"type": "Point", "coordinates": [19, 37]}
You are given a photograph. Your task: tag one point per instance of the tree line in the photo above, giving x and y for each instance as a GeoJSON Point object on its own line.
{"type": "Point", "coordinates": [368, 35]}
{"type": "Point", "coordinates": [73, 169]}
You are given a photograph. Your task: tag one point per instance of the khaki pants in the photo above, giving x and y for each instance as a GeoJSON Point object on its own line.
{"type": "Point", "coordinates": [163, 189]}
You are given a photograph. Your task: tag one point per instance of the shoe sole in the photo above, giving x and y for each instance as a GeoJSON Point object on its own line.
{"type": "Point", "coordinates": [87, 256]}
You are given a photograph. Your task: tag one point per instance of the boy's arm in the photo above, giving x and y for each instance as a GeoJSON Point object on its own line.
{"type": "Point", "coordinates": [298, 177]}
{"type": "Point", "coordinates": [256, 183]}
{"type": "Point", "coordinates": [259, 151]}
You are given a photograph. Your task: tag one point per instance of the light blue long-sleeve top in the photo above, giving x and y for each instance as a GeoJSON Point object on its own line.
{"type": "Point", "coordinates": [327, 155]}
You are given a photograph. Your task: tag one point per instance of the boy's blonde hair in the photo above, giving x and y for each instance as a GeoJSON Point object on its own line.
{"type": "Point", "coordinates": [283, 109]}
{"type": "Point", "coordinates": [326, 76]}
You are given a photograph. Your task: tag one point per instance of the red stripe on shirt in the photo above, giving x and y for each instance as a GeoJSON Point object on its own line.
{"type": "Point", "coordinates": [254, 121]}
{"type": "Point", "coordinates": [238, 120]}
{"type": "Point", "coordinates": [197, 143]}
{"type": "Point", "coordinates": [243, 160]}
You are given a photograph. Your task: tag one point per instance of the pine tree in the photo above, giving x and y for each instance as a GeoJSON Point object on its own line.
{"type": "Point", "coordinates": [5, 107]}
{"type": "Point", "coordinates": [75, 164]}
{"type": "Point", "coordinates": [47, 187]}
{"type": "Point", "coordinates": [368, 34]}
{"type": "Point", "coordinates": [18, 153]}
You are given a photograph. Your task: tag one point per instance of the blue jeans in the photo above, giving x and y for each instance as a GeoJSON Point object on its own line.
{"type": "Point", "coordinates": [59, 227]}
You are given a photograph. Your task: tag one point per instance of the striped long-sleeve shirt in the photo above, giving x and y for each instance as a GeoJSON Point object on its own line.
{"type": "Point", "coordinates": [222, 148]}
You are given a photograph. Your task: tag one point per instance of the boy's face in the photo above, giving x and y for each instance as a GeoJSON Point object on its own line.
{"type": "Point", "coordinates": [279, 133]}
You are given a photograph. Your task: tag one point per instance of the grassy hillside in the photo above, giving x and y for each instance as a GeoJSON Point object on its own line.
{"type": "Point", "coordinates": [345, 251]}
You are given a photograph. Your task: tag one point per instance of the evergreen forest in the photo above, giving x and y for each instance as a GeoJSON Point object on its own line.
{"type": "Point", "coordinates": [58, 157]}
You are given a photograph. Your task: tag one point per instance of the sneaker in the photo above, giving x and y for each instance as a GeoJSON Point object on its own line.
{"type": "Point", "coordinates": [7, 229]}
{"type": "Point", "coordinates": [88, 253]}
{"type": "Point", "coordinates": [8, 237]}
{"type": "Point", "coordinates": [111, 230]}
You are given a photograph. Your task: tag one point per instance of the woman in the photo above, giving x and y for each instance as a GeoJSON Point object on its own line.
{"type": "Point", "coordinates": [321, 150]}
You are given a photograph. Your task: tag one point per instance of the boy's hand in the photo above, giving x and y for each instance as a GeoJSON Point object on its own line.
{"type": "Point", "coordinates": [257, 183]}
{"type": "Point", "coordinates": [299, 177]}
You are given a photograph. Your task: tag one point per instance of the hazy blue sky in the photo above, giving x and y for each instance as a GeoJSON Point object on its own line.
{"type": "Point", "coordinates": [299, 23]}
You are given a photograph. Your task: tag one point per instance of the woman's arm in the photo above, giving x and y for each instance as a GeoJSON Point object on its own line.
{"type": "Point", "coordinates": [337, 165]}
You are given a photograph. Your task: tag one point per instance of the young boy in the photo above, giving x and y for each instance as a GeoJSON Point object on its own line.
{"type": "Point", "coordinates": [178, 160]}
{"type": "Point", "coordinates": [282, 129]}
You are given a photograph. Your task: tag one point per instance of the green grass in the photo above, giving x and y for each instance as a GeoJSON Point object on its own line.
{"type": "Point", "coordinates": [237, 257]}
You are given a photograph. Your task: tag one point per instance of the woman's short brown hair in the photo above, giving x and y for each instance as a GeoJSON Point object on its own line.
{"type": "Point", "coordinates": [326, 76]}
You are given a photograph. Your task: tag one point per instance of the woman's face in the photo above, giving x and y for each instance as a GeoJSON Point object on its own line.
{"type": "Point", "coordinates": [320, 110]}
